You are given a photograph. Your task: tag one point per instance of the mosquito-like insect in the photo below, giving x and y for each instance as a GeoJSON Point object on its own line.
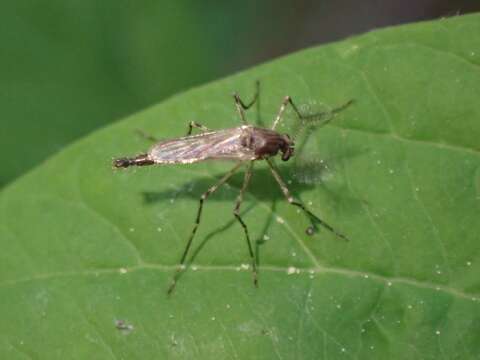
{"type": "Point", "coordinates": [244, 145]}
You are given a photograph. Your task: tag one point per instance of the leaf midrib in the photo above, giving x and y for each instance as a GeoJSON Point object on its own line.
{"type": "Point", "coordinates": [123, 271]}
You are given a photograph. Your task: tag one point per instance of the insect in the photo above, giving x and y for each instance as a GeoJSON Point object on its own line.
{"type": "Point", "coordinates": [244, 145]}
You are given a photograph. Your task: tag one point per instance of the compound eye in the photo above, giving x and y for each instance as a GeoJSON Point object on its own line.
{"type": "Point", "coordinates": [287, 154]}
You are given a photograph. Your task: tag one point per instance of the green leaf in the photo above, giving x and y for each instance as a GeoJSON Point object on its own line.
{"type": "Point", "coordinates": [85, 246]}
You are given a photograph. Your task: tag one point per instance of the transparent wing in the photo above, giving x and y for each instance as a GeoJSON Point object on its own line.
{"type": "Point", "coordinates": [222, 144]}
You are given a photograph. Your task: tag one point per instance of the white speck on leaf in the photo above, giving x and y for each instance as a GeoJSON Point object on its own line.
{"type": "Point", "coordinates": [292, 270]}
{"type": "Point", "coordinates": [123, 326]}
{"type": "Point", "coordinates": [244, 266]}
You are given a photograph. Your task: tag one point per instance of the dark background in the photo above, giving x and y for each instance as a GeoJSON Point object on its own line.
{"type": "Point", "coordinates": [69, 67]}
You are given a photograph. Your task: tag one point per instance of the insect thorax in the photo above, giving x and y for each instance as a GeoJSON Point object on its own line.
{"type": "Point", "coordinates": [266, 142]}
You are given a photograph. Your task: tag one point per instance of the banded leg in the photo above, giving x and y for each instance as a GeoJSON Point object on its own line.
{"type": "Point", "coordinates": [193, 124]}
{"type": "Point", "coordinates": [241, 107]}
{"type": "Point", "coordinates": [204, 196]}
{"type": "Point", "coordinates": [236, 212]}
{"type": "Point", "coordinates": [288, 100]}
{"type": "Point", "coordinates": [312, 217]}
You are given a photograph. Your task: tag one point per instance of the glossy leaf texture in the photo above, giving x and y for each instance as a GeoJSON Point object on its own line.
{"type": "Point", "coordinates": [88, 251]}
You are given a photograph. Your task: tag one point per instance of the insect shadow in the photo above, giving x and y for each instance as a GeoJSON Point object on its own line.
{"type": "Point", "coordinates": [302, 176]}
{"type": "Point", "coordinates": [264, 189]}
{"type": "Point", "coordinates": [244, 145]}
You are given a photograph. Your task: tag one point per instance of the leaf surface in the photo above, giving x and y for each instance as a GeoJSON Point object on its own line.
{"type": "Point", "coordinates": [88, 252]}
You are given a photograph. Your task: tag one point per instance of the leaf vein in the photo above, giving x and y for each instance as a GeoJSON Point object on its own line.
{"type": "Point", "coordinates": [304, 271]}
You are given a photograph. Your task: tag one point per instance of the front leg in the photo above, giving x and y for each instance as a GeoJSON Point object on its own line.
{"type": "Point", "coordinates": [314, 219]}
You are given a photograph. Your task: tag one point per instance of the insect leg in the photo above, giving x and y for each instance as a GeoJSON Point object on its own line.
{"type": "Point", "coordinates": [146, 136]}
{"type": "Point", "coordinates": [313, 218]}
{"type": "Point", "coordinates": [280, 112]}
{"type": "Point", "coordinates": [236, 212]}
{"type": "Point", "coordinates": [204, 196]}
{"type": "Point", "coordinates": [316, 116]}
{"type": "Point", "coordinates": [196, 125]}
{"type": "Point", "coordinates": [241, 106]}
